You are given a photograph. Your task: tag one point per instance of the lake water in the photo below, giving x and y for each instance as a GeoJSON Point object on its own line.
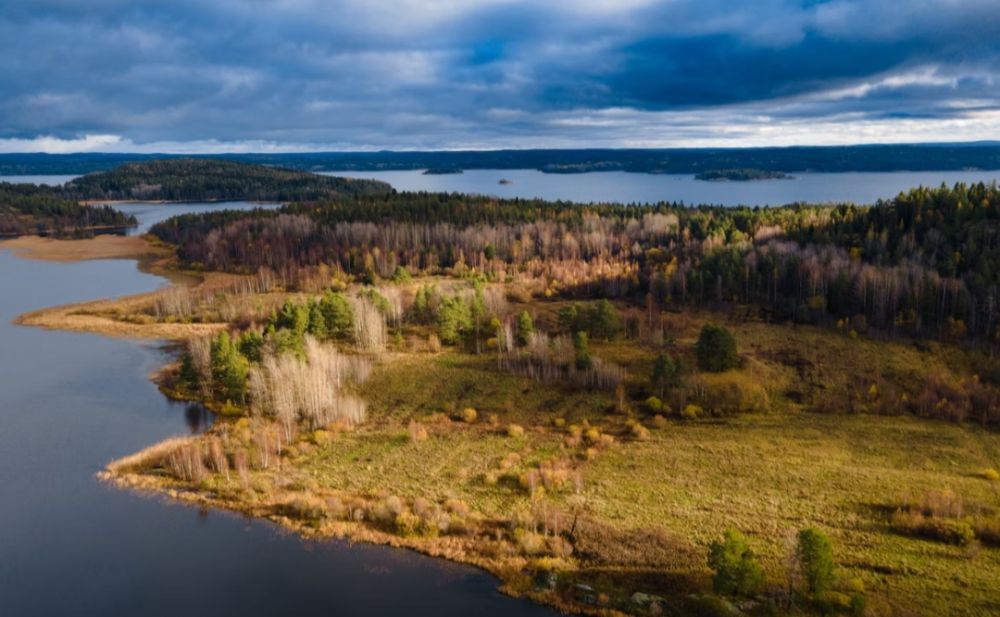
{"type": "Point", "coordinates": [619, 186]}
{"type": "Point", "coordinates": [624, 187]}
{"type": "Point", "coordinates": [71, 546]}
{"type": "Point", "coordinates": [149, 214]}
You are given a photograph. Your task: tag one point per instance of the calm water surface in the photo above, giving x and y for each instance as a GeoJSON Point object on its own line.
{"type": "Point", "coordinates": [70, 546]}
{"type": "Point", "coordinates": [624, 187]}
{"type": "Point", "coordinates": [619, 186]}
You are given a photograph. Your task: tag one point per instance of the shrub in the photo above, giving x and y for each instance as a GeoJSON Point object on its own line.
{"type": "Point", "coordinates": [305, 508]}
{"type": "Point", "coordinates": [407, 524]}
{"type": "Point", "coordinates": [716, 349]}
{"type": "Point", "coordinates": [417, 431]}
{"type": "Point", "coordinates": [581, 347]}
{"type": "Point", "coordinates": [948, 530]}
{"type": "Point", "coordinates": [654, 405]}
{"type": "Point", "coordinates": [691, 412]}
{"type": "Point", "coordinates": [469, 415]}
{"type": "Point", "coordinates": [736, 569]}
{"type": "Point", "coordinates": [990, 474]}
{"type": "Point", "coordinates": [637, 430]}
{"type": "Point", "coordinates": [515, 430]}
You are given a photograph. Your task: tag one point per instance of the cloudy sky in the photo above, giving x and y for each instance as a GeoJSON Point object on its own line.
{"type": "Point", "coordinates": [266, 75]}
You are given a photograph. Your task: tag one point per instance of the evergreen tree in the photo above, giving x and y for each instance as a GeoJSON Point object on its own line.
{"type": "Point", "coordinates": [736, 569]}
{"type": "Point", "coordinates": [716, 349]}
{"type": "Point", "coordinates": [189, 379]}
{"type": "Point", "coordinates": [338, 317]}
{"type": "Point", "coordinates": [454, 319]}
{"type": "Point", "coordinates": [664, 373]}
{"type": "Point", "coordinates": [251, 345]}
{"type": "Point", "coordinates": [229, 370]}
{"type": "Point", "coordinates": [525, 327]}
{"type": "Point", "coordinates": [317, 321]}
{"type": "Point", "coordinates": [814, 555]}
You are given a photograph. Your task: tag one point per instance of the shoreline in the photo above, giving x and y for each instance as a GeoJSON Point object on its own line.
{"type": "Point", "coordinates": [93, 317]}
{"type": "Point", "coordinates": [275, 495]}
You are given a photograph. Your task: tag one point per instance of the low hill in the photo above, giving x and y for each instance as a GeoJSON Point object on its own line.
{"type": "Point", "coordinates": [191, 179]}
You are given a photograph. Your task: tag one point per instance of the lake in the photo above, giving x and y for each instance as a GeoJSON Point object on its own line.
{"type": "Point", "coordinates": [71, 546]}
{"type": "Point", "coordinates": [625, 187]}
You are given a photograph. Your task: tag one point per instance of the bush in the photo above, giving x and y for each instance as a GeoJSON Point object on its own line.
{"type": "Point", "coordinates": [515, 430]}
{"type": "Point", "coordinates": [469, 415]}
{"type": "Point", "coordinates": [736, 569]}
{"type": "Point", "coordinates": [417, 431]}
{"type": "Point", "coordinates": [691, 412]}
{"type": "Point", "coordinates": [948, 530]}
{"type": "Point", "coordinates": [654, 405]}
{"type": "Point", "coordinates": [305, 508]}
{"type": "Point", "coordinates": [716, 349]}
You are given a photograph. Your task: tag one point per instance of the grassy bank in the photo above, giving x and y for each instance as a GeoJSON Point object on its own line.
{"type": "Point", "coordinates": [551, 487]}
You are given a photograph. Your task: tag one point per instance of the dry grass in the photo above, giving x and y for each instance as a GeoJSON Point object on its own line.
{"type": "Point", "coordinates": [99, 247]}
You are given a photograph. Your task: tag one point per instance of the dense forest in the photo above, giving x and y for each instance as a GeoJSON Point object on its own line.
{"type": "Point", "coordinates": [29, 208]}
{"type": "Point", "coordinates": [191, 179]}
{"type": "Point", "coordinates": [898, 157]}
{"type": "Point", "coordinates": [740, 175]}
{"type": "Point", "coordinates": [924, 263]}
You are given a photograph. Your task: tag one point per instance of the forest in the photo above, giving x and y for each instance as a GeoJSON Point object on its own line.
{"type": "Point", "coordinates": [33, 209]}
{"type": "Point", "coordinates": [192, 179]}
{"type": "Point", "coordinates": [925, 263]}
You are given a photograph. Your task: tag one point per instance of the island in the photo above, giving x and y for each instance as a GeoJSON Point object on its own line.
{"type": "Point", "coordinates": [442, 171]}
{"type": "Point", "coordinates": [655, 409]}
{"type": "Point", "coordinates": [741, 175]}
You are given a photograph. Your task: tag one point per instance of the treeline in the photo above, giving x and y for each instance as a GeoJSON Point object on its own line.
{"type": "Point", "coordinates": [924, 263]}
{"type": "Point", "coordinates": [887, 157]}
{"type": "Point", "coordinates": [196, 179]}
{"type": "Point", "coordinates": [34, 209]}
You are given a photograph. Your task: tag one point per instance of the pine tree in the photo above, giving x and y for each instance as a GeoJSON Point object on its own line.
{"type": "Point", "coordinates": [716, 349]}
{"type": "Point", "coordinates": [229, 370]}
{"type": "Point", "coordinates": [525, 327]}
{"type": "Point", "coordinates": [338, 316]}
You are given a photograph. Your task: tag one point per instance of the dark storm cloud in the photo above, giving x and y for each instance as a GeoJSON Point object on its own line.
{"type": "Point", "coordinates": [412, 74]}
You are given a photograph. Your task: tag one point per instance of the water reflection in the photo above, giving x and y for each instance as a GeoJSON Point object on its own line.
{"type": "Point", "coordinates": [198, 418]}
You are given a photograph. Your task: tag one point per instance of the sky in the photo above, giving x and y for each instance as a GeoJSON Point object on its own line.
{"type": "Point", "coordinates": [316, 75]}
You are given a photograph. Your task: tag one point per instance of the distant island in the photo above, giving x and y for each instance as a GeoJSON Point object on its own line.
{"type": "Point", "coordinates": [741, 175]}
{"type": "Point", "coordinates": [442, 171]}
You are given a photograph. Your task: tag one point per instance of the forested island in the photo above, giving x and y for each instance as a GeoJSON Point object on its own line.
{"type": "Point", "coordinates": [642, 410]}
{"type": "Point", "coordinates": [740, 175]}
{"type": "Point", "coordinates": [195, 179]}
